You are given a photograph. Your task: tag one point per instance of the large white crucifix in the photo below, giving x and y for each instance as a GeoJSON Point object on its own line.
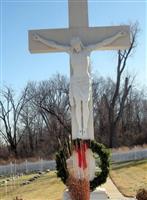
{"type": "Point", "coordinates": [79, 40]}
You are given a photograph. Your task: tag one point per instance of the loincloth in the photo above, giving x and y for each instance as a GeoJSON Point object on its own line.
{"type": "Point", "coordinates": [81, 88]}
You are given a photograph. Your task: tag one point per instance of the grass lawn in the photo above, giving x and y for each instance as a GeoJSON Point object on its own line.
{"type": "Point", "coordinates": [46, 187]}
{"type": "Point", "coordinates": [130, 176]}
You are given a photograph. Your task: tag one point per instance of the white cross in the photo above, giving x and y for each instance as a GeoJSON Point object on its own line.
{"type": "Point", "coordinates": [79, 40]}
{"type": "Point", "coordinates": [78, 27]}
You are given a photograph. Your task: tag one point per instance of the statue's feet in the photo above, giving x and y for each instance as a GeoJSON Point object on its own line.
{"type": "Point", "coordinates": [82, 132]}
{"type": "Point", "coordinates": [85, 133]}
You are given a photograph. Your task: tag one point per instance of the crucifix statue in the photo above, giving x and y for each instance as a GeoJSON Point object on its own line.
{"type": "Point", "coordinates": [79, 40]}
{"type": "Point", "coordinates": [80, 83]}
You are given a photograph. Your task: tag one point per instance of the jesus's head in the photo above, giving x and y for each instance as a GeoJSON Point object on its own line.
{"type": "Point", "coordinates": [76, 44]}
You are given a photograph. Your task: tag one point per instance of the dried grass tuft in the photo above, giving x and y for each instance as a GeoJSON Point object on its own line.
{"type": "Point", "coordinates": [79, 189]}
{"type": "Point", "coordinates": [141, 194]}
{"type": "Point", "coordinates": [17, 198]}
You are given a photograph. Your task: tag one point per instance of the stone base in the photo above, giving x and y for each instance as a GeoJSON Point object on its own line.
{"type": "Point", "coordinates": [98, 194]}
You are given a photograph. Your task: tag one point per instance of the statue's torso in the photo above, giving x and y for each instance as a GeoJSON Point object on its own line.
{"type": "Point", "coordinates": [80, 63]}
{"type": "Point", "coordinates": [80, 83]}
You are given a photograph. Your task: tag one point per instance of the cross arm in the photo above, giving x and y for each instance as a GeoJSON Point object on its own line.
{"type": "Point", "coordinates": [88, 35]}
{"type": "Point", "coordinates": [50, 43]}
{"type": "Point", "coordinates": [106, 41]}
{"type": "Point", "coordinates": [49, 40]}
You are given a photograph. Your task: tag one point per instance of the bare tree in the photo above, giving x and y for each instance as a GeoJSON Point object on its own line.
{"type": "Point", "coordinates": [9, 115]}
{"type": "Point", "coordinates": [28, 117]}
{"type": "Point", "coordinates": [116, 105]}
{"type": "Point", "coordinates": [50, 100]}
{"type": "Point", "coordinates": [53, 101]}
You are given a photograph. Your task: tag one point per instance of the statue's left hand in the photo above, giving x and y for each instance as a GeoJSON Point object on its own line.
{"type": "Point", "coordinates": [122, 33]}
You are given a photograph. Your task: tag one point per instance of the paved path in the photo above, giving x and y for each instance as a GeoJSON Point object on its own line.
{"type": "Point", "coordinates": [113, 192]}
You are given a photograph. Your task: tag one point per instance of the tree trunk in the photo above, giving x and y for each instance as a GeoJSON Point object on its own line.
{"type": "Point", "coordinates": [13, 149]}
{"type": "Point", "coordinates": [113, 136]}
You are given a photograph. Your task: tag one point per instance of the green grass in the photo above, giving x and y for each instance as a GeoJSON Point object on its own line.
{"type": "Point", "coordinates": [130, 176]}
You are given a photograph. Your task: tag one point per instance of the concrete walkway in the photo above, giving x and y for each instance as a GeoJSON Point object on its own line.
{"type": "Point", "coordinates": [113, 192]}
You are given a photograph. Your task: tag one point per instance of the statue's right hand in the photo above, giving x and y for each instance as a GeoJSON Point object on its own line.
{"type": "Point", "coordinates": [36, 37]}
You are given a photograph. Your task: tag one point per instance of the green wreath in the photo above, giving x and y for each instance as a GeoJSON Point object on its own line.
{"type": "Point", "coordinates": [98, 149]}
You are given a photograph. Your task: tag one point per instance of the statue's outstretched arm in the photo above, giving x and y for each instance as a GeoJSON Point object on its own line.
{"type": "Point", "coordinates": [50, 43]}
{"type": "Point", "coordinates": [106, 41]}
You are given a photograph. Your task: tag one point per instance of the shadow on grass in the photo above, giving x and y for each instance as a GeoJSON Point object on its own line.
{"type": "Point", "coordinates": [120, 165]}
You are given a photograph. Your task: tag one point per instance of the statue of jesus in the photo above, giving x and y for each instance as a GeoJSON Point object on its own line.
{"type": "Point", "coordinates": [80, 84]}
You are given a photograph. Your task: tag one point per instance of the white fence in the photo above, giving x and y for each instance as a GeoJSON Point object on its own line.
{"type": "Point", "coordinates": [42, 165]}
{"type": "Point", "coordinates": [25, 167]}
{"type": "Point", "coordinates": [128, 156]}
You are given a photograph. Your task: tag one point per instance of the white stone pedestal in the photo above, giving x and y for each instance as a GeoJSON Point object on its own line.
{"type": "Point", "coordinates": [98, 194]}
